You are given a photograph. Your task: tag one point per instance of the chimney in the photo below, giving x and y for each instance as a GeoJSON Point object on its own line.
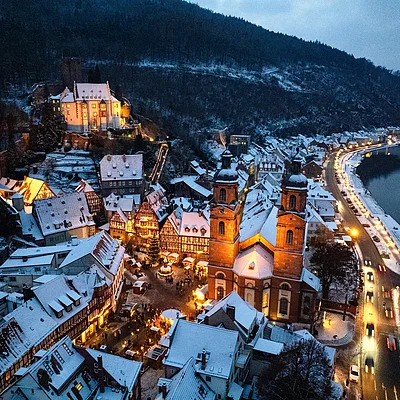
{"type": "Point", "coordinates": [203, 359]}
{"type": "Point", "coordinates": [230, 311]}
{"type": "Point", "coordinates": [100, 373]}
{"type": "Point", "coordinates": [164, 390]}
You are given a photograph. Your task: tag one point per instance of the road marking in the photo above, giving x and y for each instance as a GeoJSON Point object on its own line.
{"type": "Point", "coordinates": [375, 383]}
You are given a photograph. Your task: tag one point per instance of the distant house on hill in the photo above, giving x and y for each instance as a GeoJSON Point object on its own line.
{"type": "Point", "coordinates": [90, 106]}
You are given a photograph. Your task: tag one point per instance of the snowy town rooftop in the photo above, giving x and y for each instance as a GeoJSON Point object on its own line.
{"type": "Point", "coordinates": [121, 167]}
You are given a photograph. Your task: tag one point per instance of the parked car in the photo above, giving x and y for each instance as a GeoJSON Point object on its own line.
{"type": "Point", "coordinates": [389, 312]}
{"type": "Point", "coordinates": [367, 262]}
{"type": "Point", "coordinates": [370, 276]}
{"type": "Point", "coordinates": [370, 296]}
{"type": "Point", "coordinates": [382, 267]}
{"type": "Point", "coordinates": [391, 343]}
{"type": "Point", "coordinates": [370, 329]}
{"type": "Point", "coordinates": [376, 238]}
{"type": "Point", "coordinates": [369, 365]}
{"type": "Point", "coordinates": [354, 373]}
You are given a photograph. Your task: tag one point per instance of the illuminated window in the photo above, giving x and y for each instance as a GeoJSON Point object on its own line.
{"type": "Point", "coordinates": [93, 105]}
{"type": "Point", "coordinates": [221, 228]}
{"type": "Point", "coordinates": [220, 292]}
{"type": "Point", "coordinates": [102, 106]}
{"type": "Point", "coordinates": [220, 275]}
{"type": "Point", "coordinates": [68, 105]}
{"type": "Point", "coordinates": [222, 195]}
{"type": "Point", "coordinates": [289, 237]}
{"type": "Point", "coordinates": [283, 306]}
{"type": "Point", "coordinates": [292, 202]}
{"type": "Point", "coordinates": [95, 114]}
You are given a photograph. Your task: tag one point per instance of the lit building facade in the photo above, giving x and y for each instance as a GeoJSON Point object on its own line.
{"type": "Point", "coordinates": [90, 106]}
{"type": "Point", "coordinates": [266, 267]}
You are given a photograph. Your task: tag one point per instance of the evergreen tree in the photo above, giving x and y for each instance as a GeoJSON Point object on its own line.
{"type": "Point", "coordinates": [153, 252]}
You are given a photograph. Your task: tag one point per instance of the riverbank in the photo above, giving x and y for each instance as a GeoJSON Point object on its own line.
{"type": "Point", "coordinates": [385, 226]}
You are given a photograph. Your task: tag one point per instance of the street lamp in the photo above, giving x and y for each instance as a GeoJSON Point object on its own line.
{"type": "Point", "coordinates": [354, 233]}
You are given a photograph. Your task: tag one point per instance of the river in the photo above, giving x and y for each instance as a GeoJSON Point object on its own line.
{"type": "Point", "coordinates": [380, 173]}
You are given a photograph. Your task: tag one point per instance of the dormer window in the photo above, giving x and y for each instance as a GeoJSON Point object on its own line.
{"type": "Point", "coordinates": [195, 230]}
{"type": "Point", "coordinates": [252, 265]}
{"type": "Point", "coordinates": [203, 231]}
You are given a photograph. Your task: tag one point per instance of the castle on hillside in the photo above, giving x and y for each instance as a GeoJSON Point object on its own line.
{"type": "Point", "coordinates": [256, 247]}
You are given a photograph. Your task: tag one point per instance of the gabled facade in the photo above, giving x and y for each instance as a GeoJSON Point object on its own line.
{"type": "Point", "coordinates": [187, 233]}
{"type": "Point", "coordinates": [32, 189]}
{"type": "Point", "coordinates": [150, 217]}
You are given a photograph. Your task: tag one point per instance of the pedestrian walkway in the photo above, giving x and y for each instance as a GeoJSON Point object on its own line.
{"type": "Point", "coordinates": [333, 331]}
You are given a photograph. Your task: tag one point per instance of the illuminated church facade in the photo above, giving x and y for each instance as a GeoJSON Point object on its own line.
{"type": "Point", "coordinates": [257, 249]}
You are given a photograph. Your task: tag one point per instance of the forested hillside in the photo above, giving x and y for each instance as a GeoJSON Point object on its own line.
{"type": "Point", "coordinates": [191, 68]}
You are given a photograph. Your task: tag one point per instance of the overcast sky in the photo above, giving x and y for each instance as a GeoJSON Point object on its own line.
{"type": "Point", "coordinates": [364, 28]}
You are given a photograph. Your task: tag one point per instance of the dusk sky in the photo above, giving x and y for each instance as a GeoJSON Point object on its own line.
{"type": "Point", "coordinates": [364, 28]}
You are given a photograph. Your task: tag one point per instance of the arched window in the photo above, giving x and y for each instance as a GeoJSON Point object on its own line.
{"type": "Point", "coordinates": [285, 286]}
{"type": "Point", "coordinates": [222, 194]}
{"type": "Point", "coordinates": [289, 237]}
{"type": "Point", "coordinates": [292, 202]}
{"type": "Point", "coordinates": [220, 292]}
{"type": "Point", "coordinates": [283, 306]}
{"type": "Point", "coordinates": [221, 228]}
{"type": "Point", "coordinates": [220, 275]}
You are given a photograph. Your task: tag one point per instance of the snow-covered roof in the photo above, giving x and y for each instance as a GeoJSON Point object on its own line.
{"type": "Point", "coordinates": [255, 262]}
{"type": "Point", "coordinates": [259, 217]}
{"type": "Point", "coordinates": [159, 203]}
{"type": "Point", "coordinates": [126, 203]}
{"type": "Point", "coordinates": [187, 384]}
{"type": "Point", "coordinates": [121, 167]}
{"type": "Point", "coordinates": [90, 91]}
{"type": "Point", "coordinates": [63, 213]}
{"type": "Point", "coordinates": [189, 339]}
{"type": "Point", "coordinates": [84, 187]}
{"type": "Point", "coordinates": [191, 181]}
{"type": "Point", "coordinates": [245, 314]}
{"type": "Point", "coordinates": [105, 250]}
{"type": "Point", "coordinates": [268, 346]}
{"type": "Point", "coordinates": [123, 371]}
{"type": "Point", "coordinates": [29, 225]}
{"type": "Point", "coordinates": [23, 328]}
{"type": "Point", "coordinates": [311, 279]}
{"type": "Point", "coordinates": [30, 189]}
{"type": "Point", "coordinates": [55, 296]}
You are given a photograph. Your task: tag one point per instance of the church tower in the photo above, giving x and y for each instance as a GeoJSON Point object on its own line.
{"type": "Point", "coordinates": [224, 229]}
{"type": "Point", "coordinates": [290, 229]}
